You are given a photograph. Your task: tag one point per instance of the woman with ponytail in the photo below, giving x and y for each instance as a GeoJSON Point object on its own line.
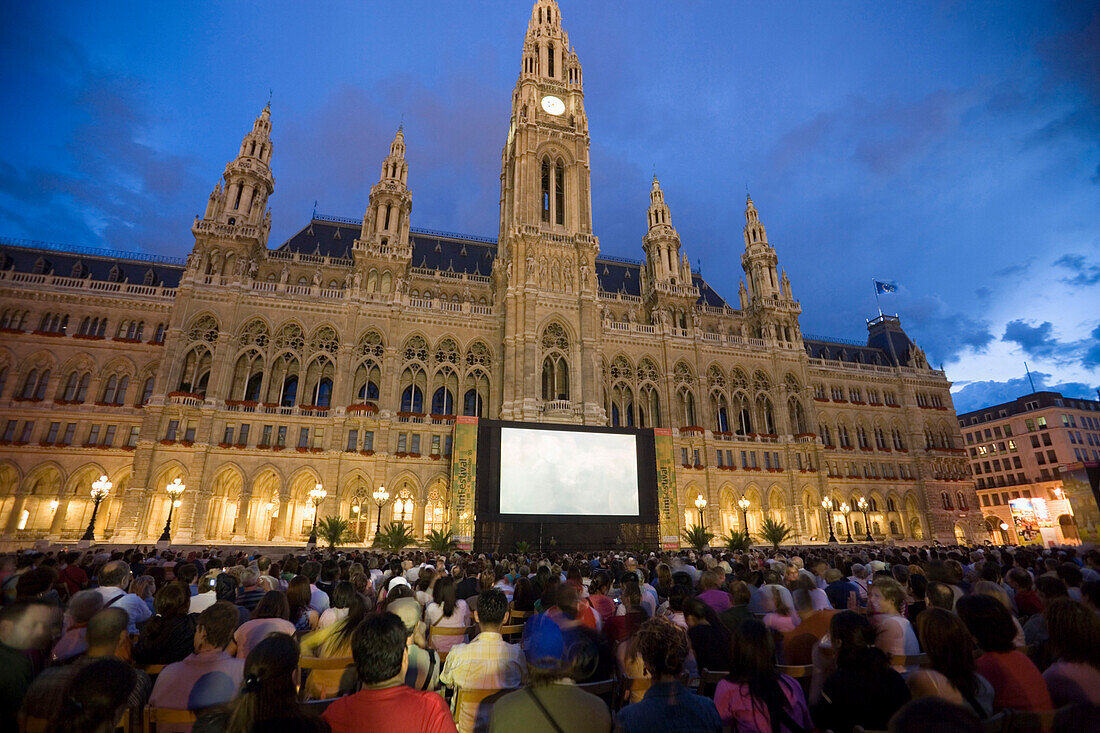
{"type": "Point", "coordinates": [864, 689]}
{"type": "Point", "coordinates": [268, 699]}
{"type": "Point", "coordinates": [330, 642]}
{"type": "Point", "coordinates": [96, 699]}
{"type": "Point", "coordinates": [755, 697]}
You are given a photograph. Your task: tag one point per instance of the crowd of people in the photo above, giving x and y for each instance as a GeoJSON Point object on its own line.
{"type": "Point", "coordinates": [816, 638]}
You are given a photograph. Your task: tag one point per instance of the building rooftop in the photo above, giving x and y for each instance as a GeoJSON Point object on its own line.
{"type": "Point", "coordinates": [1026, 403]}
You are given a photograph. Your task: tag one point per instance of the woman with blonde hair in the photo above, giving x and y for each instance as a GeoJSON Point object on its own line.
{"type": "Point", "coordinates": [330, 642]}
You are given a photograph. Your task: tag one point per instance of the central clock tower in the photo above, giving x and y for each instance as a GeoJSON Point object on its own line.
{"type": "Point", "coordinates": [545, 274]}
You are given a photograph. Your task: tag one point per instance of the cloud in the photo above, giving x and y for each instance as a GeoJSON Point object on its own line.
{"type": "Point", "coordinates": [1091, 358]}
{"type": "Point", "coordinates": [1034, 340]}
{"type": "Point", "coordinates": [1018, 269]}
{"type": "Point", "coordinates": [942, 333]}
{"type": "Point", "coordinates": [976, 395]}
{"type": "Point", "coordinates": [1086, 273]}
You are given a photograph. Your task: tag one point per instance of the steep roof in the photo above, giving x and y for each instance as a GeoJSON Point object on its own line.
{"type": "Point", "coordinates": [106, 265]}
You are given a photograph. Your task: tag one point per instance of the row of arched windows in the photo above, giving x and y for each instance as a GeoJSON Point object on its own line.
{"type": "Point", "coordinates": [73, 388]}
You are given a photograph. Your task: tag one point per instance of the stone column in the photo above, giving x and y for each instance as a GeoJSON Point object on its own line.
{"type": "Point", "coordinates": [13, 516]}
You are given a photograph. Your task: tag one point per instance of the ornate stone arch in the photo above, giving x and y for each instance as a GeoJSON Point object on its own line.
{"type": "Point", "coordinates": [555, 349]}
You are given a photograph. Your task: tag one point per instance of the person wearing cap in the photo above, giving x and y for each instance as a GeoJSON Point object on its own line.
{"type": "Point", "coordinates": [488, 662]}
{"type": "Point", "coordinates": [552, 701]}
{"type": "Point", "coordinates": [424, 664]}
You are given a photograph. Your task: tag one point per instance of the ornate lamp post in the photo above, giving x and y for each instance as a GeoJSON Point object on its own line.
{"type": "Point", "coordinates": [100, 489]}
{"type": "Point", "coordinates": [863, 507]}
{"type": "Point", "coordinates": [380, 496]}
{"type": "Point", "coordinates": [174, 489]}
{"type": "Point", "coordinates": [827, 505]}
{"type": "Point", "coordinates": [316, 495]}
{"type": "Point", "coordinates": [846, 510]}
{"type": "Point", "coordinates": [743, 504]}
{"type": "Point", "coordinates": [701, 504]}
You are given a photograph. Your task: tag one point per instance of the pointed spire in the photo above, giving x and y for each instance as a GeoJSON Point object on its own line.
{"type": "Point", "coordinates": [754, 230]}
{"type": "Point", "coordinates": [659, 213]}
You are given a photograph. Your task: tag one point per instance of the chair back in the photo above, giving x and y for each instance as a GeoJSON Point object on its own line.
{"type": "Point", "coordinates": [519, 615]}
{"type": "Point", "coordinates": [473, 698]}
{"type": "Point", "coordinates": [511, 632]}
{"type": "Point", "coordinates": [638, 684]}
{"type": "Point", "coordinates": [151, 669]}
{"type": "Point", "coordinates": [33, 725]}
{"type": "Point", "coordinates": [307, 664]}
{"type": "Point", "coordinates": [316, 707]}
{"type": "Point", "coordinates": [599, 688]}
{"type": "Point", "coordinates": [154, 716]}
{"type": "Point", "coordinates": [797, 671]}
{"type": "Point", "coordinates": [911, 660]}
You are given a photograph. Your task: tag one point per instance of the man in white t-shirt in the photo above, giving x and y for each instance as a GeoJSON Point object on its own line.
{"type": "Point", "coordinates": [114, 579]}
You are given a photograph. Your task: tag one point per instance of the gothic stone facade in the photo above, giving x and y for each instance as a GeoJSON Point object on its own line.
{"type": "Point", "coordinates": [341, 357]}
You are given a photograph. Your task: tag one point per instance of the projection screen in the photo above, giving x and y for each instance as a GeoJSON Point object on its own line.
{"type": "Point", "coordinates": [564, 473]}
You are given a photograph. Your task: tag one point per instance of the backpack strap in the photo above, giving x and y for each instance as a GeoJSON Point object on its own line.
{"type": "Point", "coordinates": [544, 711]}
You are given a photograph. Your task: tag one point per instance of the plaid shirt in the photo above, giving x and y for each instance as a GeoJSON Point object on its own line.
{"type": "Point", "coordinates": [486, 663]}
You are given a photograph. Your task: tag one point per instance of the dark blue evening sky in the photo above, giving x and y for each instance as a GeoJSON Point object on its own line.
{"type": "Point", "coordinates": [953, 147]}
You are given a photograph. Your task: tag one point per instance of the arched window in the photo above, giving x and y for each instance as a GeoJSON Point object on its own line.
{"type": "Point", "coordinates": [29, 384]}
{"type": "Point", "coordinates": [323, 396]}
{"type": "Point", "coordinates": [412, 399]}
{"type": "Point", "coordinates": [946, 499]}
{"type": "Point", "coordinates": [290, 391]}
{"type": "Point", "coordinates": [471, 403]}
{"type": "Point", "coordinates": [253, 387]}
{"type": "Point", "coordinates": [961, 498]}
{"type": "Point", "coordinates": [109, 390]}
{"type": "Point", "coordinates": [70, 387]}
{"type": "Point", "coordinates": [550, 59]}
{"type": "Point", "coordinates": [559, 192]}
{"type": "Point", "coordinates": [443, 402]}
{"type": "Point", "coordinates": [687, 408]}
{"type": "Point", "coordinates": [147, 390]}
{"type": "Point", "coordinates": [555, 378]}
{"type": "Point", "coordinates": [545, 200]}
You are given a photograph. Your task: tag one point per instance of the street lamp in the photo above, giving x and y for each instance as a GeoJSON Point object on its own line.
{"type": "Point", "coordinates": [863, 507]}
{"type": "Point", "coordinates": [701, 504]}
{"type": "Point", "coordinates": [100, 489]}
{"type": "Point", "coordinates": [174, 489]}
{"type": "Point", "coordinates": [827, 505]}
{"type": "Point", "coordinates": [846, 510]}
{"type": "Point", "coordinates": [743, 504]}
{"type": "Point", "coordinates": [316, 495]}
{"type": "Point", "coordinates": [380, 496]}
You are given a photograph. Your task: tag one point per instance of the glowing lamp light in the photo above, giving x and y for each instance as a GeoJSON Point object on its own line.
{"type": "Point", "coordinates": [744, 504]}
{"type": "Point", "coordinates": [700, 502]}
{"type": "Point", "coordinates": [1004, 525]}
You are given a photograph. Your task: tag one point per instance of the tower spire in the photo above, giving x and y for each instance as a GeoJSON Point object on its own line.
{"type": "Point", "coordinates": [240, 198]}
{"type": "Point", "coordinates": [385, 228]}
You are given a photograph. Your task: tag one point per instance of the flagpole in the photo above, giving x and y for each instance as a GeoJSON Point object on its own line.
{"type": "Point", "coordinates": [877, 303]}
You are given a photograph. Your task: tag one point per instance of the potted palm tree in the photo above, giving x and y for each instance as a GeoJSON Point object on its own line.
{"type": "Point", "coordinates": [698, 537]}
{"type": "Point", "coordinates": [441, 541]}
{"type": "Point", "coordinates": [774, 532]}
{"type": "Point", "coordinates": [737, 541]}
{"type": "Point", "coordinates": [335, 531]}
{"type": "Point", "coordinates": [394, 537]}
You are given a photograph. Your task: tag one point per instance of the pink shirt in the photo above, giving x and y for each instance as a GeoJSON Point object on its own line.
{"type": "Point", "coordinates": [198, 682]}
{"type": "Point", "coordinates": [736, 708]}
{"type": "Point", "coordinates": [251, 633]}
{"type": "Point", "coordinates": [1017, 683]}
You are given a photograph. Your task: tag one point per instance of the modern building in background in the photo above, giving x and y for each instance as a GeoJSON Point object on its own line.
{"type": "Point", "coordinates": [342, 356]}
{"type": "Point", "coordinates": [1019, 453]}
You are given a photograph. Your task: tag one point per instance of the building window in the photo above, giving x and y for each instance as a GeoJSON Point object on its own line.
{"type": "Point", "coordinates": [265, 436]}
{"type": "Point", "coordinates": [109, 436]}
{"type": "Point", "coordinates": [70, 431]}
{"type": "Point", "coordinates": [303, 437]}
{"type": "Point", "coordinates": [368, 440]}
{"type": "Point", "coordinates": [318, 438]}
{"type": "Point", "coordinates": [51, 434]}
{"type": "Point", "coordinates": [93, 435]}
{"type": "Point", "coordinates": [402, 442]}
{"type": "Point", "coordinates": [280, 436]}
{"type": "Point", "coordinates": [227, 436]}
{"type": "Point", "coordinates": [173, 428]}
{"type": "Point", "coordinates": [353, 440]}
{"type": "Point", "coordinates": [135, 433]}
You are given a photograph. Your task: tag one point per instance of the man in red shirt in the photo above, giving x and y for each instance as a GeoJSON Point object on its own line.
{"type": "Point", "coordinates": [385, 704]}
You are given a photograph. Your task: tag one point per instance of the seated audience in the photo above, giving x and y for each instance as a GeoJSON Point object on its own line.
{"type": "Point", "coordinates": [82, 606]}
{"type": "Point", "coordinates": [424, 664]}
{"type": "Point", "coordinates": [754, 697]}
{"type": "Point", "coordinates": [1074, 644]}
{"type": "Point", "coordinates": [107, 639]}
{"type": "Point", "coordinates": [487, 662]}
{"type": "Point", "coordinates": [842, 593]}
{"type": "Point", "coordinates": [447, 611]}
{"type": "Point", "coordinates": [268, 699]}
{"type": "Point", "coordinates": [1017, 683]}
{"type": "Point", "coordinates": [250, 592]}
{"type": "Point", "coordinates": [331, 642]}
{"type": "Point", "coordinates": [798, 644]}
{"type": "Point", "coordinates": [935, 714]}
{"type": "Point", "coordinates": [939, 595]}
{"type": "Point", "coordinates": [711, 592]}
{"type": "Point", "coordinates": [114, 579]}
{"type": "Point", "coordinates": [895, 635]}
{"type": "Point", "coordinates": [864, 690]}
{"type": "Point", "coordinates": [96, 700]}
{"type": "Point", "coordinates": [667, 704]}
{"type": "Point", "coordinates": [551, 702]}
{"type": "Point", "coordinates": [268, 617]}
{"type": "Point", "coordinates": [740, 595]}
{"type": "Point", "coordinates": [208, 677]}
{"type": "Point", "coordinates": [710, 641]}
{"type": "Point", "coordinates": [601, 603]}
{"type": "Point", "coordinates": [342, 594]}
{"type": "Point", "coordinates": [169, 635]}
{"type": "Point", "coordinates": [385, 704]}
{"type": "Point", "coordinates": [205, 596]}
{"type": "Point", "coordinates": [951, 672]}
{"type": "Point", "coordinates": [302, 614]}
{"type": "Point", "coordinates": [26, 626]}
{"type": "Point", "coordinates": [778, 616]}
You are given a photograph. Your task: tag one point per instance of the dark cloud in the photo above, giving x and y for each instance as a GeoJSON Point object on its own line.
{"type": "Point", "coordinates": [1034, 340]}
{"type": "Point", "coordinates": [942, 333]}
{"type": "Point", "coordinates": [976, 395]}
{"type": "Point", "coordinates": [1017, 269]}
{"type": "Point", "coordinates": [1084, 273]}
{"type": "Point", "coordinates": [1040, 341]}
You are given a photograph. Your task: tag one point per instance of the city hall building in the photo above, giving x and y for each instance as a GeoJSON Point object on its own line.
{"type": "Point", "coordinates": [254, 371]}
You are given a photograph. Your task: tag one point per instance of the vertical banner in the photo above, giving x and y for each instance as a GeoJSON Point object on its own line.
{"type": "Point", "coordinates": [463, 480]}
{"type": "Point", "coordinates": [667, 507]}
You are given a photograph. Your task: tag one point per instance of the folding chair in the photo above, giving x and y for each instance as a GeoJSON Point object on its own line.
{"type": "Point", "coordinates": [154, 716]}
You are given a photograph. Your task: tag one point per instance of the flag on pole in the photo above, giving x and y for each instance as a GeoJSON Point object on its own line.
{"type": "Point", "coordinates": [885, 286]}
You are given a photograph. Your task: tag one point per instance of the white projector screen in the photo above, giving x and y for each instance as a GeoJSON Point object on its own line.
{"type": "Point", "coordinates": [568, 473]}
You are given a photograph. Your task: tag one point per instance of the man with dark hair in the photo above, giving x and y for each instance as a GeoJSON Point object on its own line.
{"type": "Point", "coordinates": [385, 704]}
{"type": "Point", "coordinates": [114, 580]}
{"type": "Point", "coordinates": [107, 639]}
{"type": "Point", "coordinates": [940, 595]}
{"type": "Point", "coordinates": [488, 662]}
{"type": "Point", "coordinates": [25, 625]}
{"type": "Point", "coordinates": [208, 677]}
{"type": "Point", "coordinates": [318, 599]}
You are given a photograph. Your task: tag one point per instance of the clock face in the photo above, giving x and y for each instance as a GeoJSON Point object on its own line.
{"type": "Point", "coordinates": [553, 105]}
